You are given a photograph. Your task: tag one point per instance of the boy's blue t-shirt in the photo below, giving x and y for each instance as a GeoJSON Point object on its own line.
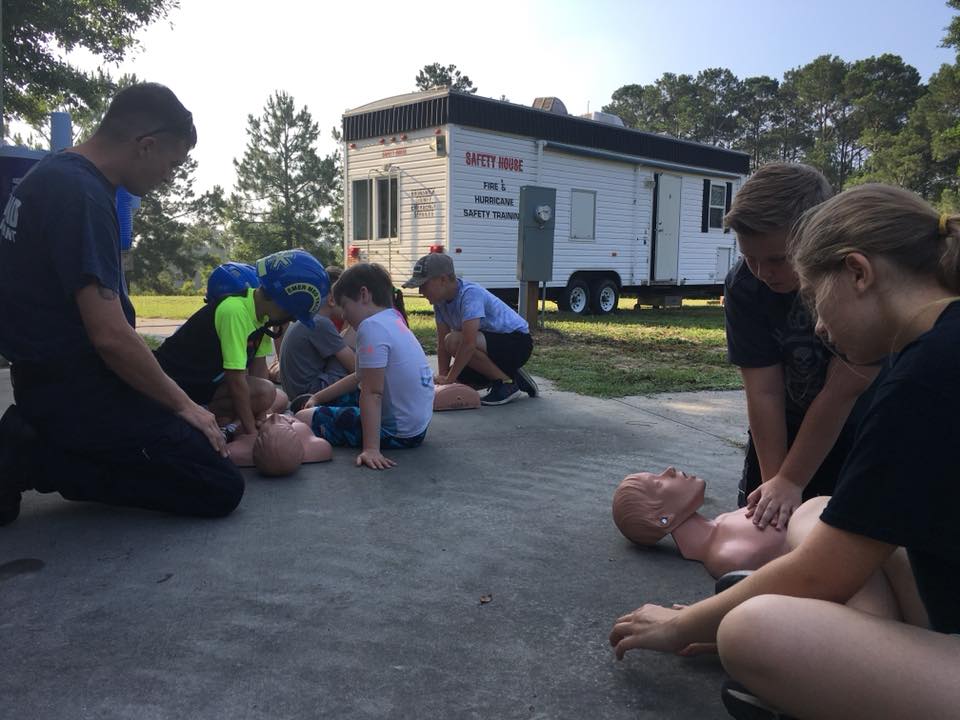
{"type": "Point", "coordinates": [472, 302]}
{"type": "Point", "coordinates": [59, 233]}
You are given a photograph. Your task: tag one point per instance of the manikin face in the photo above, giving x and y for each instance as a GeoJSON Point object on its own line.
{"type": "Point", "coordinates": [679, 493]}
{"type": "Point", "coordinates": [766, 257]}
{"type": "Point", "coordinates": [278, 419]}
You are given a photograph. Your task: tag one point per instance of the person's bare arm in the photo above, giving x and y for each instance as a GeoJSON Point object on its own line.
{"type": "Point", "coordinates": [239, 391]}
{"type": "Point", "coordinates": [830, 564]}
{"type": "Point", "coordinates": [331, 392]}
{"type": "Point", "coordinates": [371, 401]}
{"type": "Point", "coordinates": [347, 357]}
{"type": "Point", "coordinates": [127, 355]}
{"type": "Point", "coordinates": [766, 411]}
{"type": "Point", "coordinates": [258, 368]}
{"type": "Point", "coordinates": [443, 357]}
{"type": "Point", "coordinates": [468, 346]}
{"type": "Point", "coordinates": [781, 494]}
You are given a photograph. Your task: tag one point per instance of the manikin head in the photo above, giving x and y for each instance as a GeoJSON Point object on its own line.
{"type": "Point", "coordinates": [646, 506]}
{"type": "Point", "coordinates": [277, 450]}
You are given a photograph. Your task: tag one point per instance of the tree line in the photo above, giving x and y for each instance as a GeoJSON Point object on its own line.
{"type": "Point", "coordinates": [870, 120]}
{"type": "Point", "coordinates": [860, 121]}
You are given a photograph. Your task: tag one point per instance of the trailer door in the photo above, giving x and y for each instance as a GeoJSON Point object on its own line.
{"type": "Point", "coordinates": [666, 246]}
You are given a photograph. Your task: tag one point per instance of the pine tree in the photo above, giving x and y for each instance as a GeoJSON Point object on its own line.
{"type": "Point", "coordinates": [283, 188]}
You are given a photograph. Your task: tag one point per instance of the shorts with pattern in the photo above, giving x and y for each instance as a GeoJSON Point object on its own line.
{"type": "Point", "coordinates": [341, 426]}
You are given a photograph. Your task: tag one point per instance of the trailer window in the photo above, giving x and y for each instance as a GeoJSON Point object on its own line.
{"type": "Point", "coordinates": [718, 204]}
{"type": "Point", "coordinates": [583, 214]}
{"type": "Point", "coordinates": [362, 208]}
{"type": "Point", "coordinates": [386, 207]}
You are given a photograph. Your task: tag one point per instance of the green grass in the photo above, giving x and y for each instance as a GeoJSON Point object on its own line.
{"type": "Point", "coordinates": [152, 341]}
{"type": "Point", "coordinates": [176, 307]}
{"type": "Point", "coordinates": [632, 352]}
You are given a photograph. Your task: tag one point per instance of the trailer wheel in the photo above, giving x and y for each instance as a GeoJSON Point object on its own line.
{"type": "Point", "coordinates": [605, 296]}
{"type": "Point", "coordinates": [575, 297]}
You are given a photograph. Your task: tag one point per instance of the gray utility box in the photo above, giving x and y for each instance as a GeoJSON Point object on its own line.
{"type": "Point", "coordinates": [538, 210]}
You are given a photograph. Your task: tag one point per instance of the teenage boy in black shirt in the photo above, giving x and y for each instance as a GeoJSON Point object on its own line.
{"type": "Point", "coordinates": [799, 395]}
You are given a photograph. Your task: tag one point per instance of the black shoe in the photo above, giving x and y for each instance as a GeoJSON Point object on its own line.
{"type": "Point", "coordinates": [15, 435]}
{"type": "Point", "coordinates": [730, 579]}
{"type": "Point", "coordinates": [501, 393]}
{"type": "Point", "coordinates": [526, 383]}
{"type": "Point", "coordinates": [744, 705]}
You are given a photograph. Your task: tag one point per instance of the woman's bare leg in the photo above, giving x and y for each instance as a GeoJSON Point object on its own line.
{"type": "Point", "coordinates": [813, 658]}
{"type": "Point", "coordinates": [891, 593]}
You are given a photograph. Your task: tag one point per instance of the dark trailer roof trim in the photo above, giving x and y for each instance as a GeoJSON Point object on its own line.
{"type": "Point", "coordinates": [417, 111]}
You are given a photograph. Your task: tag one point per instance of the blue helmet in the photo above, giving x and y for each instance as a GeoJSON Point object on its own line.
{"type": "Point", "coordinates": [296, 281]}
{"type": "Point", "coordinates": [231, 278]}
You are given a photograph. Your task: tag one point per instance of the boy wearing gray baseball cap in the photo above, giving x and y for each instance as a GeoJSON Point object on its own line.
{"type": "Point", "coordinates": [481, 341]}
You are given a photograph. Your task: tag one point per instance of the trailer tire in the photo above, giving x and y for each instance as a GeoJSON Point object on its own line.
{"type": "Point", "coordinates": [575, 297]}
{"type": "Point", "coordinates": [604, 296]}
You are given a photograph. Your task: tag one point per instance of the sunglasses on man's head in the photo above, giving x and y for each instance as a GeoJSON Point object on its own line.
{"type": "Point", "coordinates": [180, 128]}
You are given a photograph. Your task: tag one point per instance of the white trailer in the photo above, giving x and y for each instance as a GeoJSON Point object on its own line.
{"type": "Point", "coordinates": [440, 171]}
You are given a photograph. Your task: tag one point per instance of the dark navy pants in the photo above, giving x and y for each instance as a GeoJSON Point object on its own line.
{"type": "Point", "coordinates": [101, 441]}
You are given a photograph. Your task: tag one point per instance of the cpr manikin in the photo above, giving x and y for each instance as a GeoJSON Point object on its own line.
{"type": "Point", "coordinates": [279, 447]}
{"type": "Point", "coordinates": [455, 396]}
{"type": "Point", "coordinates": [646, 507]}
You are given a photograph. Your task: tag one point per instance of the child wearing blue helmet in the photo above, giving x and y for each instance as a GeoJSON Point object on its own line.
{"type": "Point", "coordinates": [218, 356]}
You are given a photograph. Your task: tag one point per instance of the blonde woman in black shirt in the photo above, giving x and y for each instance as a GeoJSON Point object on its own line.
{"type": "Point", "coordinates": [860, 619]}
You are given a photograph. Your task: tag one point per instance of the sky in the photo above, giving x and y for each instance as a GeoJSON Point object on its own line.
{"type": "Point", "coordinates": [224, 58]}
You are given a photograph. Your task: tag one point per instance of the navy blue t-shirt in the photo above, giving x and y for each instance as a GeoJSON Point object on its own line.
{"type": "Point", "coordinates": [59, 233]}
{"type": "Point", "coordinates": [901, 481]}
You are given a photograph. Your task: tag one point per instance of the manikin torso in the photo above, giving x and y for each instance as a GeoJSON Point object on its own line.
{"type": "Point", "coordinates": [728, 542]}
{"type": "Point", "coordinates": [455, 396]}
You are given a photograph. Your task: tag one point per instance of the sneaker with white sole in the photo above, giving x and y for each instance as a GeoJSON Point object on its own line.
{"type": "Point", "coordinates": [525, 382]}
{"type": "Point", "coordinates": [501, 393]}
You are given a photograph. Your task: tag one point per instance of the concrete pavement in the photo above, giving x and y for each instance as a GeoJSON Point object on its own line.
{"type": "Point", "coordinates": [477, 579]}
